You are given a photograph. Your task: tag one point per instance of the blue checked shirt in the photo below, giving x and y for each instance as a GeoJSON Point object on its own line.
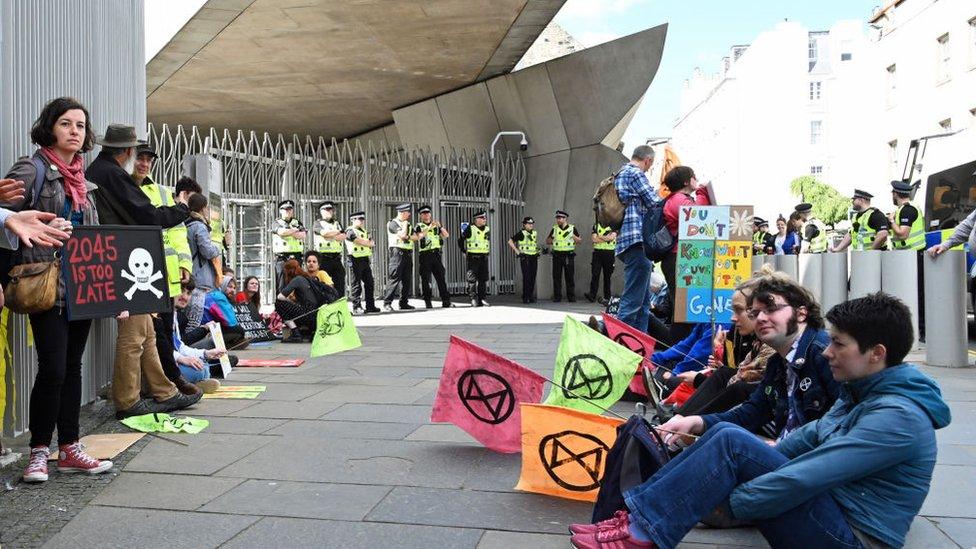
{"type": "Point", "coordinates": [635, 190]}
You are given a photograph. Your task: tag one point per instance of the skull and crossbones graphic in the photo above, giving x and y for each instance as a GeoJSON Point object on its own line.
{"type": "Point", "coordinates": [142, 276]}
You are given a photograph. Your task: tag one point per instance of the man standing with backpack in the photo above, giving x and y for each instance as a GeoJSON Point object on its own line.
{"type": "Point", "coordinates": [635, 191]}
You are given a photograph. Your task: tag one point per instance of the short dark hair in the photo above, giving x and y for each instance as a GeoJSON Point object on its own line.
{"type": "Point", "coordinates": [42, 131]}
{"type": "Point", "coordinates": [187, 184]}
{"type": "Point", "coordinates": [874, 319]}
{"type": "Point", "coordinates": [678, 178]}
{"type": "Point", "coordinates": [794, 294]}
{"type": "Point", "coordinates": [188, 285]}
{"type": "Point", "coordinates": [315, 254]}
{"type": "Point", "coordinates": [196, 203]}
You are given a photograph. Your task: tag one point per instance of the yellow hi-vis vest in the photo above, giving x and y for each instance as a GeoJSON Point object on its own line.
{"type": "Point", "coordinates": [916, 235]}
{"type": "Point", "coordinates": [477, 243]}
{"type": "Point", "coordinates": [562, 239]}
{"type": "Point", "coordinates": [175, 241]}
{"type": "Point", "coordinates": [356, 250]}
{"type": "Point", "coordinates": [818, 244]}
{"type": "Point", "coordinates": [394, 239]}
{"type": "Point", "coordinates": [285, 244]}
{"type": "Point", "coordinates": [864, 237]}
{"type": "Point", "coordinates": [327, 245]}
{"type": "Point", "coordinates": [433, 241]}
{"type": "Point", "coordinates": [529, 245]}
{"type": "Point", "coordinates": [600, 231]}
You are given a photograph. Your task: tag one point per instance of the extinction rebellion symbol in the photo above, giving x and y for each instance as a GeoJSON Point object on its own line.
{"type": "Point", "coordinates": [631, 342]}
{"type": "Point", "coordinates": [587, 376]}
{"type": "Point", "coordinates": [334, 323]}
{"type": "Point", "coordinates": [573, 460]}
{"type": "Point", "coordinates": [486, 395]}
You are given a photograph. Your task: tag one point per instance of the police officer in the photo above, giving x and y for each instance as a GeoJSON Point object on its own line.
{"type": "Point", "coordinates": [287, 236]}
{"type": "Point", "coordinates": [759, 235]}
{"type": "Point", "coordinates": [604, 241]}
{"type": "Point", "coordinates": [476, 248]}
{"type": "Point", "coordinates": [401, 240]}
{"type": "Point", "coordinates": [432, 235]}
{"type": "Point", "coordinates": [563, 238]}
{"type": "Point", "coordinates": [525, 244]}
{"type": "Point", "coordinates": [814, 232]}
{"type": "Point", "coordinates": [907, 222]}
{"type": "Point", "coordinates": [869, 227]}
{"type": "Point", "coordinates": [360, 248]}
{"type": "Point", "coordinates": [328, 240]}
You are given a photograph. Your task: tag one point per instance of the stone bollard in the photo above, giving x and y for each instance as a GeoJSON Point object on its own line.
{"type": "Point", "coordinates": [865, 273]}
{"type": "Point", "coordinates": [811, 274]}
{"type": "Point", "coordinates": [946, 337]}
{"type": "Point", "coordinates": [899, 277]}
{"type": "Point", "coordinates": [788, 264]}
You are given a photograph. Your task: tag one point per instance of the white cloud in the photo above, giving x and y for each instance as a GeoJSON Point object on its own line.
{"type": "Point", "coordinates": [580, 9]}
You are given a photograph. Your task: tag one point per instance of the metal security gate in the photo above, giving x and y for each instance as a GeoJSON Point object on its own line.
{"type": "Point", "coordinates": [250, 251]}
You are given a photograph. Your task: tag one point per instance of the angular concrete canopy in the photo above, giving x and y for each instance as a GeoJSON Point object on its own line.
{"type": "Point", "coordinates": [332, 68]}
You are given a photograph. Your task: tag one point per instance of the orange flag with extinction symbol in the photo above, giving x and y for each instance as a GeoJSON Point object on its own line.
{"type": "Point", "coordinates": [564, 451]}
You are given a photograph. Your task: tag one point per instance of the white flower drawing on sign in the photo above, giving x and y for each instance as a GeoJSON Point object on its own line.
{"type": "Point", "coordinates": [741, 225]}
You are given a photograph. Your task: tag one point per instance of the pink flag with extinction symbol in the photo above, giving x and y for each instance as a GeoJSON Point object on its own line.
{"type": "Point", "coordinates": [480, 392]}
{"type": "Point", "coordinates": [636, 341]}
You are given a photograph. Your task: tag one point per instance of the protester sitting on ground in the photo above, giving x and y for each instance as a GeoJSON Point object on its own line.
{"type": "Point", "coordinates": [202, 341]}
{"type": "Point", "coordinates": [856, 478]}
{"type": "Point", "coordinates": [229, 287]}
{"type": "Point", "coordinates": [194, 363]}
{"type": "Point", "coordinates": [684, 359]}
{"type": "Point", "coordinates": [63, 132]}
{"type": "Point", "coordinates": [737, 363]}
{"type": "Point", "coordinates": [210, 306]}
{"type": "Point", "coordinates": [659, 308]}
{"type": "Point", "coordinates": [296, 303]}
{"type": "Point", "coordinates": [797, 386]}
{"type": "Point", "coordinates": [251, 294]}
{"type": "Point", "coordinates": [312, 262]}
{"type": "Point", "coordinates": [202, 249]}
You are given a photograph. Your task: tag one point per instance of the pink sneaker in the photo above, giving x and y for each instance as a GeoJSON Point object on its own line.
{"type": "Point", "coordinates": [619, 518]}
{"type": "Point", "coordinates": [73, 459]}
{"type": "Point", "coordinates": [36, 470]}
{"type": "Point", "coordinates": [610, 538]}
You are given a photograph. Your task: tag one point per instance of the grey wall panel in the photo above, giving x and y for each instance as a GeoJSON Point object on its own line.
{"type": "Point", "coordinates": [92, 50]}
{"type": "Point", "coordinates": [524, 101]}
{"type": "Point", "coordinates": [420, 125]}
{"type": "Point", "coordinates": [596, 88]}
{"type": "Point", "coordinates": [899, 277]}
{"type": "Point", "coordinates": [468, 117]}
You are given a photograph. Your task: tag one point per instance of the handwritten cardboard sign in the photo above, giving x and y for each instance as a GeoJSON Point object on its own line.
{"type": "Point", "coordinates": [111, 268]}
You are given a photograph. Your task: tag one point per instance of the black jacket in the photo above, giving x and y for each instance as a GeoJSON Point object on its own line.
{"type": "Point", "coordinates": [121, 202]}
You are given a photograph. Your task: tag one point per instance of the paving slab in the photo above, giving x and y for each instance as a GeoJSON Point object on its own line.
{"type": "Point", "coordinates": [518, 512]}
{"type": "Point", "coordinates": [370, 394]}
{"type": "Point", "coordinates": [951, 494]}
{"type": "Point", "coordinates": [100, 527]}
{"type": "Point", "coordinates": [218, 407]}
{"type": "Point", "coordinates": [240, 425]}
{"type": "Point", "coordinates": [957, 454]}
{"type": "Point", "coordinates": [441, 432]}
{"type": "Point", "coordinates": [373, 381]}
{"type": "Point", "coordinates": [924, 533]}
{"type": "Point", "coordinates": [290, 391]}
{"type": "Point", "coordinates": [494, 539]}
{"type": "Point", "coordinates": [962, 531]}
{"type": "Point", "coordinates": [287, 410]}
{"type": "Point", "coordinates": [204, 454]}
{"type": "Point", "coordinates": [290, 532]}
{"type": "Point", "coordinates": [322, 429]}
{"type": "Point", "coordinates": [389, 413]}
{"type": "Point", "coordinates": [736, 537]}
{"type": "Point", "coordinates": [164, 491]}
{"type": "Point", "coordinates": [299, 499]}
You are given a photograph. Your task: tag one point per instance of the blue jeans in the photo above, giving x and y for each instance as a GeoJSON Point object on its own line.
{"type": "Point", "coordinates": [635, 302]}
{"type": "Point", "coordinates": [193, 375]}
{"type": "Point", "coordinates": [700, 479]}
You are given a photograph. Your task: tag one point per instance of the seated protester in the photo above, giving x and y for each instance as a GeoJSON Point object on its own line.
{"type": "Point", "coordinates": [217, 308]}
{"type": "Point", "coordinates": [660, 308]}
{"type": "Point", "coordinates": [202, 249]}
{"type": "Point", "coordinates": [205, 307]}
{"type": "Point", "coordinates": [296, 302]}
{"type": "Point", "coordinates": [797, 386]}
{"type": "Point", "coordinates": [195, 363]}
{"type": "Point", "coordinates": [251, 295]}
{"type": "Point", "coordinates": [855, 478]}
{"type": "Point", "coordinates": [688, 355]}
{"type": "Point", "coordinates": [737, 365]}
{"type": "Point", "coordinates": [312, 266]}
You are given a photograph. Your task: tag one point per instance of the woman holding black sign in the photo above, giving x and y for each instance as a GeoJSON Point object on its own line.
{"type": "Point", "coordinates": [56, 176]}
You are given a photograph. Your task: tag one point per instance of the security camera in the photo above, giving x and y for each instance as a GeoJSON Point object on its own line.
{"type": "Point", "coordinates": [524, 144]}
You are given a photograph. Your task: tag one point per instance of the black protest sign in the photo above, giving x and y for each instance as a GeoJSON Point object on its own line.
{"type": "Point", "coordinates": [250, 322]}
{"type": "Point", "coordinates": [486, 395]}
{"type": "Point", "coordinates": [111, 268]}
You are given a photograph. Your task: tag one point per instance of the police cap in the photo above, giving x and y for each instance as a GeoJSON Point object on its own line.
{"type": "Point", "coordinates": [858, 193]}
{"type": "Point", "coordinates": [327, 205]}
{"type": "Point", "coordinates": [146, 148]}
{"type": "Point", "coordinates": [804, 207]}
{"type": "Point", "coordinates": [482, 213]}
{"type": "Point", "coordinates": [902, 188]}
{"type": "Point", "coordinates": [405, 207]}
{"type": "Point", "coordinates": [358, 215]}
{"type": "Point", "coordinates": [526, 220]}
{"type": "Point", "coordinates": [425, 209]}
{"type": "Point", "coordinates": [560, 213]}
{"type": "Point", "coordinates": [286, 204]}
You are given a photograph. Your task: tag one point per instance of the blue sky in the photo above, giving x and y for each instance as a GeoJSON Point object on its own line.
{"type": "Point", "coordinates": [700, 33]}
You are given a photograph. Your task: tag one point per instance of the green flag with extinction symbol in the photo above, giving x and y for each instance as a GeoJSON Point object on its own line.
{"type": "Point", "coordinates": [165, 423]}
{"type": "Point", "coordinates": [592, 371]}
{"type": "Point", "coordinates": [334, 330]}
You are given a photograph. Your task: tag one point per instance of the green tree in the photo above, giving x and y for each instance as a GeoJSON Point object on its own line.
{"type": "Point", "coordinates": [829, 205]}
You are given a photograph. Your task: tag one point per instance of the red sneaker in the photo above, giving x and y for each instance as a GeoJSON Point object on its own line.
{"type": "Point", "coordinates": [36, 470]}
{"type": "Point", "coordinates": [610, 538]}
{"type": "Point", "coordinates": [619, 518]}
{"type": "Point", "coordinates": [73, 459]}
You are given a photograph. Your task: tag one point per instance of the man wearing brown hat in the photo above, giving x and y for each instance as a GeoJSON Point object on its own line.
{"type": "Point", "coordinates": [869, 226]}
{"type": "Point", "coordinates": [120, 202]}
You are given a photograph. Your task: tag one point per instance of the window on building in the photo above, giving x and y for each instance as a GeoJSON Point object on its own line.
{"type": "Point", "coordinates": [812, 52]}
{"type": "Point", "coordinates": [942, 59]}
{"type": "Point", "coordinates": [893, 159]}
{"type": "Point", "coordinates": [815, 88]}
{"type": "Point", "coordinates": [972, 42]}
{"type": "Point", "coordinates": [892, 85]}
{"type": "Point", "coordinates": [816, 131]}
{"type": "Point", "coordinates": [946, 125]}
{"type": "Point", "coordinates": [816, 170]}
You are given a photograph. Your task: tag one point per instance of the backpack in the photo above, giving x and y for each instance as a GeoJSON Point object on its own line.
{"type": "Point", "coordinates": [636, 455]}
{"type": "Point", "coordinates": [323, 293]}
{"type": "Point", "coordinates": [657, 238]}
{"type": "Point", "coordinates": [607, 205]}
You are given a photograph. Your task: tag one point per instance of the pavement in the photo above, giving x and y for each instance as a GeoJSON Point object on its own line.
{"type": "Point", "coordinates": [340, 453]}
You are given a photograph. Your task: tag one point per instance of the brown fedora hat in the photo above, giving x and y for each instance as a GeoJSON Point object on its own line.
{"type": "Point", "coordinates": [119, 136]}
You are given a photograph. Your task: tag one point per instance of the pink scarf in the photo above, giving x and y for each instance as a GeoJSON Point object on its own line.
{"type": "Point", "coordinates": [73, 176]}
